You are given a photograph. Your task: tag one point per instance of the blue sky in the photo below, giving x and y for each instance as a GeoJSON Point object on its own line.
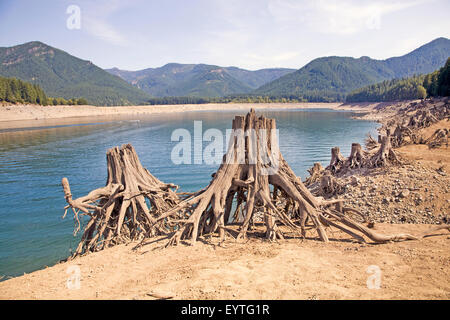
{"type": "Point", "coordinates": [252, 34]}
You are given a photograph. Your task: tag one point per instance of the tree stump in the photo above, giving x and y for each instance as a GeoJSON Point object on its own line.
{"type": "Point", "coordinates": [357, 156]}
{"type": "Point", "coordinates": [337, 160]}
{"type": "Point", "coordinates": [385, 154]}
{"type": "Point", "coordinates": [315, 173]}
{"type": "Point", "coordinates": [126, 208]}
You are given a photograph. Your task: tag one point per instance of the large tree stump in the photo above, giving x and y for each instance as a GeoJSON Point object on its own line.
{"type": "Point", "coordinates": [126, 208]}
{"type": "Point", "coordinates": [385, 153]}
{"type": "Point", "coordinates": [357, 156]}
{"type": "Point", "coordinates": [337, 160]}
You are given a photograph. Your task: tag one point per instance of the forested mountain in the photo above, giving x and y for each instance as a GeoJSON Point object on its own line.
{"type": "Point", "coordinates": [60, 74]}
{"type": "Point", "coordinates": [324, 79]}
{"type": "Point", "coordinates": [198, 80]}
{"type": "Point", "coordinates": [331, 78]}
{"type": "Point", "coordinates": [417, 87]}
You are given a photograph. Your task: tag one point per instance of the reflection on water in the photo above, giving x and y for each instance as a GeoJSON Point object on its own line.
{"type": "Point", "coordinates": [32, 163]}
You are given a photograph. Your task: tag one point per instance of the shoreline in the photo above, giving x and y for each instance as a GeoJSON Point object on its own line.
{"type": "Point", "coordinates": [24, 116]}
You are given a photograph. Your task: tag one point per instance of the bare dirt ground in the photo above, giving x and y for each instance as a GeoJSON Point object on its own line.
{"type": "Point", "coordinates": [290, 269]}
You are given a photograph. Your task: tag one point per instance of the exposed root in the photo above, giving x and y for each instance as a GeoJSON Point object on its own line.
{"type": "Point", "coordinates": [125, 209]}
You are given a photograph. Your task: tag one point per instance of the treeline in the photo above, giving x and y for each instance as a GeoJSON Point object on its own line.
{"type": "Point", "coordinates": [14, 91]}
{"type": "Point", "coordinates": [243, 98]}
{"type": "Point", "coordinates": [17, 91]}
{"type": "Point", "coordinates": [390, 90]}
{"type": "Point", "coordinates": [416, 87]}
{"type": "Point", "coordinates": [438, 82]}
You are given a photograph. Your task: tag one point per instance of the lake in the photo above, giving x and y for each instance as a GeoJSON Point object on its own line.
{"type": "Point", "coordinates": [33, 161]}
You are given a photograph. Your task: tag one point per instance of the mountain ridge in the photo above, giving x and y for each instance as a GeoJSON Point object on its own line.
{"type": "Point", "coordinates": [322, 79]}
{"type": "Point", "coordinates": [176, 79]}
{"type": "Point", "coordinates": [332, 77]}
{"type": "Point", "coordinates": [63, 75]}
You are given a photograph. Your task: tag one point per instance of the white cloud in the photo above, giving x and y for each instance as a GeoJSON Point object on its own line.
{"type": "Point", "coordinates": [96, 18]}
{"type": "Point", "coordinates": [342, 17]}
{"type": "Point", "coordinates": [104, 31]}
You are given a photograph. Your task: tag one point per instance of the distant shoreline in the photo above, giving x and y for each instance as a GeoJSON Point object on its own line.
{"type": "Point", "coordinates": [22, 116]}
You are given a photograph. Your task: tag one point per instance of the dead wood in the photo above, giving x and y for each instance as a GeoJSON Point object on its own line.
{"type": "Point", "coordinates": [127, 208]}
{"type": "Point", "coordinates": [357, 156]}
{"type": "Point", "coordinates": [385, 154]}
{"type": "Point", "coordinates": [337, 160]}
{"type": "Point", "coordinates": [315, 174]}
{"type": "Point", "coordinates": [438, 138]}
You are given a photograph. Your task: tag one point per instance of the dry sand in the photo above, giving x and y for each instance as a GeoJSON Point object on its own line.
{"type": "Point", "coordinates": [290, 269]}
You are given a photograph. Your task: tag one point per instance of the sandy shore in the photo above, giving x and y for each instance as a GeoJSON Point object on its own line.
{"type": "Point", "coordinates": [22, 116]}
{"type": "Point", "coordinates": [257, 269]}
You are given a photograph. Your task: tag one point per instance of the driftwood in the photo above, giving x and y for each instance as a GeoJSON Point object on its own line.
{"type": "Point", "coordinates": [125, 209]}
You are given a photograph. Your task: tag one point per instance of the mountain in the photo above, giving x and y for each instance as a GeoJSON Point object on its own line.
{"type": "Point", "coordinates": [330, 78]}
{"type": "Point", "coordinates": [60, 74]}
{"type": "Point", "coordinates": [198, 80]}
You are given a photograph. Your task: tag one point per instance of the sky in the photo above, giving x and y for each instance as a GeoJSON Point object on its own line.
{"type": "Point", "coordinates": [251, 34]}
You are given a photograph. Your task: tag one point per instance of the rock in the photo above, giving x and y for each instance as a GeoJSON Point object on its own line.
{"type": "Point", "coordinates": [354, 181]}
{"type": "Point", "coordinates": [404, 193]}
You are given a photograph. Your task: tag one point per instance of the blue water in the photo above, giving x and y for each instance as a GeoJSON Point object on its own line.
{"type": "Point", "coordinates": [33, 161]}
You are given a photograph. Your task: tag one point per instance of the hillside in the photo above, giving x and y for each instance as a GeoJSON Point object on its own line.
{"type": "Point", "coordinates": [390, 90]}
{"type": "Point", "coordinates": [198, 80]}
{"type": "Point", "coordinates": [415, 87]}
{"type": "Point", "coordinates": [330, 78]}
{"type": "Point", "coordinates": [60, 74]}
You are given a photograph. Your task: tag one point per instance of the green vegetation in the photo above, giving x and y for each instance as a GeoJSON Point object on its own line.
{"type": "Point", "coordinates": [198, 80]}
{"type": "Point", "coordinates": [416, 87]}
{"type": "Point", "coordinates": [227, 99]}
{"type": "Point", "coordinates": [17, 91]}
{"type": "Point", "coordinates": [438, 82]}
{"type": "Point", "coordinates": [390, 90]}
{"type": "Point", "coordinates": [331, 78]}
{"type": "Point", "coordinates": [61, 75]}
{"type": "Point", "coordinates": [13, 90]}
